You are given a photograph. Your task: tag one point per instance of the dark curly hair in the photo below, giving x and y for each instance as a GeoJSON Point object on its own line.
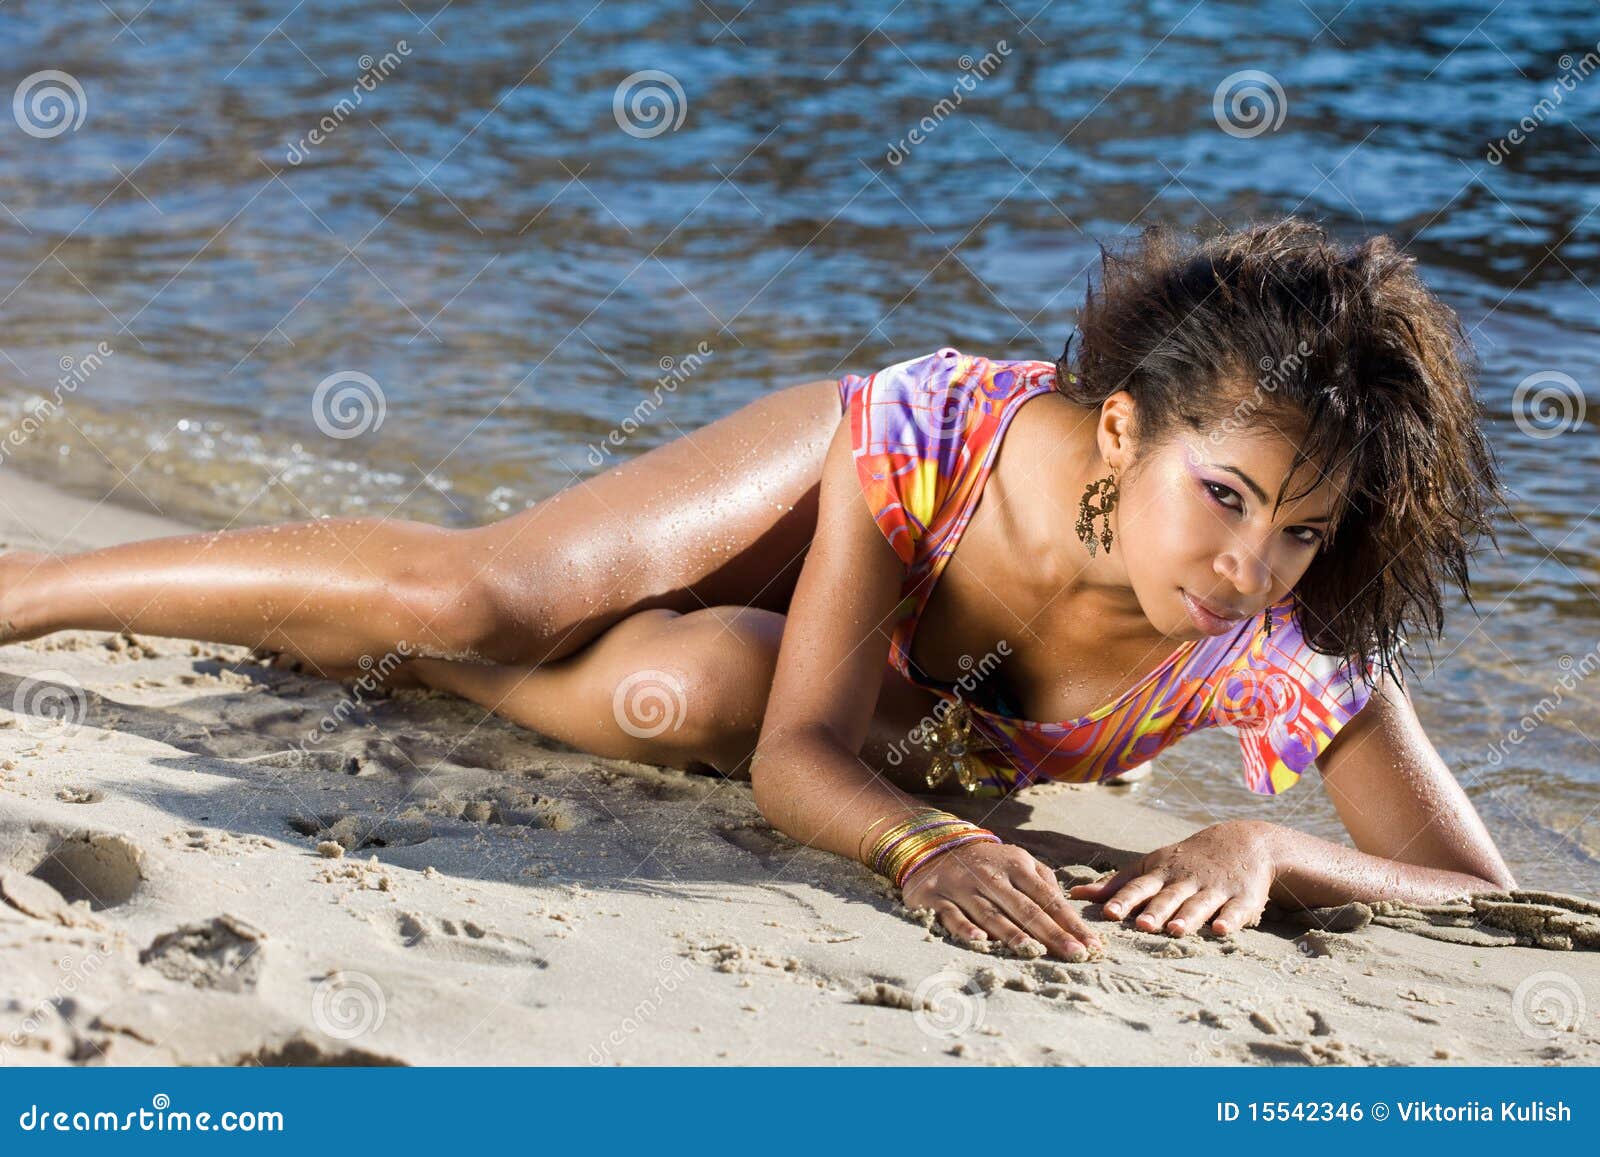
{"type": "Point", "coordinates": [1344, 349]}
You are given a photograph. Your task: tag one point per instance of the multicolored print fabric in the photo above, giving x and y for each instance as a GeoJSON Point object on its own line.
{"type": "Point", "coordinates": [925, 433]}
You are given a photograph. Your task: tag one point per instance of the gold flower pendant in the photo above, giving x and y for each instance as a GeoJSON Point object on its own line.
{"type": "Point", "coordinates": [953, 739]}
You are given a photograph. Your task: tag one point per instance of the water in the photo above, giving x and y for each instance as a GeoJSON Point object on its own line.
{"type": "Point", "coordinates": [509, 268]}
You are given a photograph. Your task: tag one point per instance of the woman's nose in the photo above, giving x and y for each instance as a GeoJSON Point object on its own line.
{"type": "Point", "coordinates": [1246, 571]}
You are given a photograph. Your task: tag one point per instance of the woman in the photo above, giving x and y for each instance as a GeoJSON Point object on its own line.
{"type": "Point", "coordinates": [1264, 464]}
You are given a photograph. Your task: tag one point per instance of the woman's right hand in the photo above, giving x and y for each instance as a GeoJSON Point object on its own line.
{"type": "Point", "coordinates": [985, 890]}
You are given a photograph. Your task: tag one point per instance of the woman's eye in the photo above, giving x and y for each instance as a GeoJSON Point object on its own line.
{"type": "Point", "coordinates": [1220, 495]}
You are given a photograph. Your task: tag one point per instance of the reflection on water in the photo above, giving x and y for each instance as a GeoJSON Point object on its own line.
{"type": "Point", "coordinates": [518, 220]}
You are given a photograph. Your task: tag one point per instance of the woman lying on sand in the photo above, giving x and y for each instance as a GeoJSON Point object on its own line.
{"type": "Point", "coordinates": [1258, 474]}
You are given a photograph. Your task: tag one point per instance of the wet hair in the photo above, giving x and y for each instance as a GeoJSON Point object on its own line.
{"type": "Point", "coordinates": [1344, 350]}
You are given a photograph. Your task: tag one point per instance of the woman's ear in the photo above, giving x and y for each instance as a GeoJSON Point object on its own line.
{"type": "Point", "coordinates": [1117, 429]}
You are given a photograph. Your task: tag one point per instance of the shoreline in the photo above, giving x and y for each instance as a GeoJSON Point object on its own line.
{"type": "Point", "coordinates": [435, 887]}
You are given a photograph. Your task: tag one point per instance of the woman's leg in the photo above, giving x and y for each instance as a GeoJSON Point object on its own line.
{"type": "Point", "coordinates": [675, 690]}
{"type": "Point", "coordinates": [327, 591]}
{"type": "Point", "coordinates": [659, 687]}
{"type": "Point", "coordinates": [722, 515]}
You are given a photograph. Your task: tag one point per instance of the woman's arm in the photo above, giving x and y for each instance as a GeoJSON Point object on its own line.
{"type": "Point", "coordinates": [1418, 838]}
{"type": "Point", "coordinates": [807, 776]}
{"type": "Point", "coordinates": [807, 779]}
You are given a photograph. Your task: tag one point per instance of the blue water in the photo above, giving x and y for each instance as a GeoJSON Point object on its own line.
{"type": "Point", "coordinates": [510, 269]}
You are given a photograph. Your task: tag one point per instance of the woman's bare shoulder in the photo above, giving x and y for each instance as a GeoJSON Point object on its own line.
{"type": "Point", "coordinates": [1048, 442]}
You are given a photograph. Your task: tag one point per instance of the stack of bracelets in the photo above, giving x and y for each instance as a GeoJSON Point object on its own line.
{"type": "Point", "coordinates": [914, 842]}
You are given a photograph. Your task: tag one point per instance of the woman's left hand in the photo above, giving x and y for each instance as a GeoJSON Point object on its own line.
{"type": "Point", "coordinates": [1220, 874]}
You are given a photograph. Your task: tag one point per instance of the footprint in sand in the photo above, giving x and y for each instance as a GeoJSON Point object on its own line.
{"type": "Point", "coordinates": [223, 953]}
{"type": "Point", "coordinates": [464, 941]}
{"type": "Point", "coordinates": [33, 897]}
{"type": "Point", "coordinates": [102, 868]}
{"type": "Point", "coordinates": [359, 831]}
{"type": "Point", "coordinates": [519, 809]}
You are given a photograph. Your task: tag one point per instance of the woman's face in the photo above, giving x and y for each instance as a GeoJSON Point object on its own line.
{"type": "Point", "coordinates": [1206, 547]}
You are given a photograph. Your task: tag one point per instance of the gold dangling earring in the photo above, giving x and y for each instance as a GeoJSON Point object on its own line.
{"type": "Point", "coordinates": [1104, 492]}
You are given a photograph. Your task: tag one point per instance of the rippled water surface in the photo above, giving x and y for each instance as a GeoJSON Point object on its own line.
{"type": "Point", "coordinates": [446, 205]}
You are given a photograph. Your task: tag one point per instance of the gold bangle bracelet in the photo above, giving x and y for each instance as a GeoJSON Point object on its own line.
{"type": "Point", "coordinates": [906, 820]}
{"type": "Point", "coordinates": [910, 838]}
{"type": "Point", "coordinates": [956, 840]}
{"type": "Point", "coordinates": [906, 829]}
{"type": "Point", "coordinates": [912, 847]}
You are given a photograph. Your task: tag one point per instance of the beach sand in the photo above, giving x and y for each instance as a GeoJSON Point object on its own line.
{"type": "Point", "coordinates": [429, 886]}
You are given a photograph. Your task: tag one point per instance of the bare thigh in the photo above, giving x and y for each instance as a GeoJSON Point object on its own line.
{"type": "Point", "coordinates": [679, 690]}
{"type": "Point", "coordinates": [723, 515]}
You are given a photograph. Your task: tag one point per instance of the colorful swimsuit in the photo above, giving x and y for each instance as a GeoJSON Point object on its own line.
{"type": "Point", "coordinates": [926, 432]}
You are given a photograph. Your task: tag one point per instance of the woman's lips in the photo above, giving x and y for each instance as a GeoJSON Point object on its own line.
{"type": "Point", "coordinates": [1208, 620]}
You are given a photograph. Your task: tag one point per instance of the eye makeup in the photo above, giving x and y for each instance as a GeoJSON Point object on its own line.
{"type": "Point", "coordinates": [1218, 494]}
